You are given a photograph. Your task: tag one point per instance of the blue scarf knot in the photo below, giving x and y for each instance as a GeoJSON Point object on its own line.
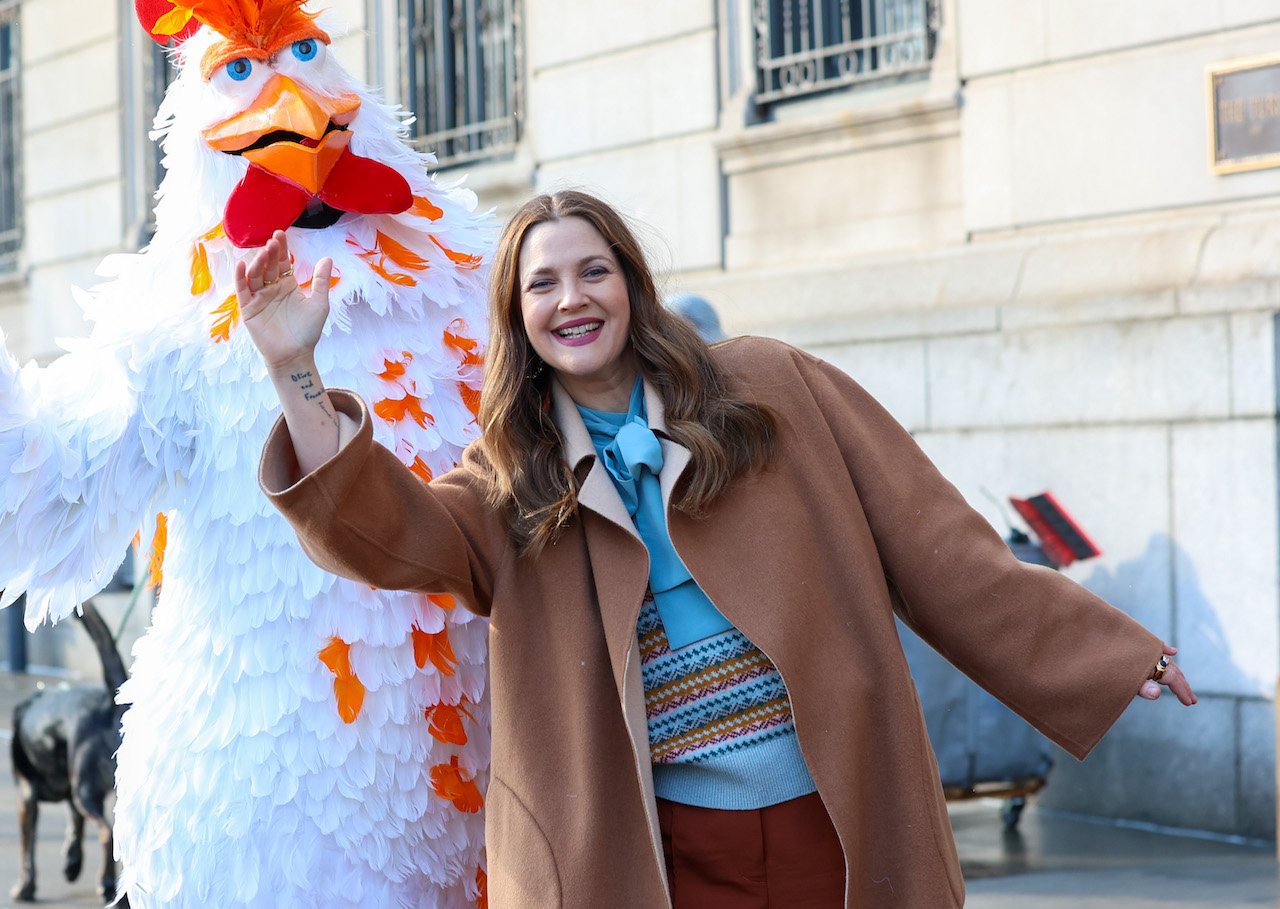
{"type": "Point", "coordinates": [633, 449]}
{"type": "Point", "coordinates": [632, 455]}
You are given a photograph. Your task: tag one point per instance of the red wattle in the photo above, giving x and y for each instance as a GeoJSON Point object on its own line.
{"type": "Point", "coordinates": [365, 186]}
{"type": "Point", "coordinates": [261, 204]}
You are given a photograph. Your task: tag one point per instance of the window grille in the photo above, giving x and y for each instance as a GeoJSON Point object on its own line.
{"type": "Point", "coordinates": [460, 72]}
{"type": "Point", "coordinates": [808, 46]}
{"type": "Point", "coordinates": [10, 138]}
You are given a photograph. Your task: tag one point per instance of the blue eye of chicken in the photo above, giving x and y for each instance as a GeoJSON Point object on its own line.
{"type": "Point", "coordinates": [305, 49]}
{"type": "Point", "coordinates": [239, 69]}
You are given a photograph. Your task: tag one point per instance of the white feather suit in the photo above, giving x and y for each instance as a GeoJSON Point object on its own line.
{"type": "Point", "coordinates": [239, 783]}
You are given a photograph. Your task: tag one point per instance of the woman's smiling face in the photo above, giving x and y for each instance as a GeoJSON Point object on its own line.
{"type": "Point", "coordinates": [577, 312]}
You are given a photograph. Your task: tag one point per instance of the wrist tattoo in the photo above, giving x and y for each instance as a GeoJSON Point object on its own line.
{"type": "Point", "coordinates": [328, 412]}
{"type": "Point", "coordinates": [310, 392]}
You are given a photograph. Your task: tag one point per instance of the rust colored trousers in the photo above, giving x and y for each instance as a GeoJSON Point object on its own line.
{"type": "Point", "coordinates": [785, 856]}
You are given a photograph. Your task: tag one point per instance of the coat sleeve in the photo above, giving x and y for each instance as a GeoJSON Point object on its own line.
{"type": "Point", "coordinates": [363, 515]}
{"type": "Point", "coordinates": [1065, 660]}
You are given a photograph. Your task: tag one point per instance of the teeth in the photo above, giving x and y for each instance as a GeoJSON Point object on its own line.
{"type": "Point", "coordinates": [578, 331]}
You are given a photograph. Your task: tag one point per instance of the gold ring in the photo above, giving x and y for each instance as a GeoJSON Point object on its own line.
{"type": "Point", "coordinates": [1161, 667]}
{"type": "Point", "coordinates": [266, 283]}
{"type": "Point", "coordinates": [286, 273]}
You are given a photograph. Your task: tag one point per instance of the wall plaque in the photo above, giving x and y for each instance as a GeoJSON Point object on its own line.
{"type": "Point", "coordinates": [1244, 114]}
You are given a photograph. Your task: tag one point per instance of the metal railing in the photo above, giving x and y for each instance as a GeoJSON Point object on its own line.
{"type": "Point", "coordinates": [808, 46]}
{"type": "Point", "coordinates": [461, 76]}
{"type": "Point", "coordinates": [10, 138]}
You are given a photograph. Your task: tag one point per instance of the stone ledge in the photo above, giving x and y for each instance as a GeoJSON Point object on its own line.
{"type": "Point", "coordinates": [1142, 269]}
{"type": "Point", "coordinates": [895, 116]}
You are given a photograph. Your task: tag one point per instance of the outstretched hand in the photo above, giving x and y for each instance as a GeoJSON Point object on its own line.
{"type": "Point", "coordinates": [1173, 678]}
{"type": "Point", "coordinates": [284, 323]}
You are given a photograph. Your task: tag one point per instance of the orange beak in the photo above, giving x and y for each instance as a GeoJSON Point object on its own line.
{"type": "Point", "coordinates": [281, 106]}
{"type": "Point", "coordinates": [308, 166]}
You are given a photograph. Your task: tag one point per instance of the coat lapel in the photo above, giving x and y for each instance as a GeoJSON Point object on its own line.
{"type": "Point", "coordinates": [597, 491]}
{"type": "Point", "coordinates": [620, 569]}
{"type": "Point", "coordinates": [619, 562]}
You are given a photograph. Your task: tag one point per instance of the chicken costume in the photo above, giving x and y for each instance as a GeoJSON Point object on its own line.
{"type": "Point", "coordinates": [294, 739]}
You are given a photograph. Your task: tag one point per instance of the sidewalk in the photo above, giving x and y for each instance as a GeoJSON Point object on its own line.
{"type": "Point", "coordinates": [1049, 863]}
{"type": "Point", "coordinates": [1054, 862]}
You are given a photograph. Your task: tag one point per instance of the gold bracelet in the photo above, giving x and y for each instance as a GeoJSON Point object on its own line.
{"type": "Point", "coordinates": [1161, 667]}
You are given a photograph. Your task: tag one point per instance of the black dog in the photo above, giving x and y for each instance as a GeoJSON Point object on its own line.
{"type": "Point", "coordinates": [64, 750]}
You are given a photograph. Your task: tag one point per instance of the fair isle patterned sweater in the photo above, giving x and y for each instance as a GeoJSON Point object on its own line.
{"type": "Point", "coordinates": [720, 728]}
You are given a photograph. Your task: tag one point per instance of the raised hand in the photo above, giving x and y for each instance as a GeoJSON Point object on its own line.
{"type": "Point", "coordinates": [284, 323]}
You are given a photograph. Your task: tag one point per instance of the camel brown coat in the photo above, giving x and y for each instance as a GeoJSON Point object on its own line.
{"type": "Point", "coordinates": [810, 558]}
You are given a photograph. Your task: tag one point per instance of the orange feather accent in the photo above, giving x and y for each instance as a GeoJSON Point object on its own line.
{"type": "Point", "coordinates": [214, 233]}
{"type": "Point", "coordinates": [377, 258]}
{"type": "Point", "coordinates": [462, 260]}
{"type": "Point", "coordinates": [155, 562]}
{"type": "Point", "coordinates": [155, 567]}
{"type": "Point", "coordinates": [436, 649]}
{"type": "Point", "coordinates": [400, 254]}
{"type": "Point", "coordinates": [227, 318]}
{"type": "Point", "coordinates": [394, 369]}
{"type": "Point", "coordinates": [350, 694]}
{"type": "Point", "coordinates": [201, 278]}
{"type": "Point", "coordinates": [394, 410]}
{"type": "Point", "coordinates": [394, 277]}
{"type": "Point", "coordinates": [348, 689]}
{"type": "Point", "coordinates": [471, 398]}
{"type": "Point", "coordinates": [443, 600]}
{"type": "Point", "coordinates": [455, 337]}
{"type": "Point", "coordinates": [482, 889]}
{"type": "Point", "coordinates": [445, 722]}
{"type": "Point", "coordinates": [333, 282]}
{"type": "Point", "coordinates": [420, 469]}
{"type": "Point", "coordinates": [257, 28]}
{"type": "Point", "coordinates": [172, 22]}
{"type": "Point", "coordinates": [449, 783]}
{"type": "Point", "coordinates": [424, 208]}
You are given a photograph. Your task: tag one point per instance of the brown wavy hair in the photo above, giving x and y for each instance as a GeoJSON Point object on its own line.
{"type": "Point", "coordinates": [530, 479]}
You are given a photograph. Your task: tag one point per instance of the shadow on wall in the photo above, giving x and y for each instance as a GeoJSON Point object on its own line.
{"type": "Point", "coordinates": [1210, 767]}
{"type": "Point", "coordinates": [1199, 633]}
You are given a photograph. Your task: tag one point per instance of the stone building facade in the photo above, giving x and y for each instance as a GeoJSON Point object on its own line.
{"type": "Point", "coordinates": [999, 217]}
